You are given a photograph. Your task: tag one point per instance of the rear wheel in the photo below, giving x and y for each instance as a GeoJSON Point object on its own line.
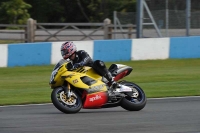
{"type": "Point", "coordinates": [65, 104]}
{"type": "Point", "coordinates": [135, 100]}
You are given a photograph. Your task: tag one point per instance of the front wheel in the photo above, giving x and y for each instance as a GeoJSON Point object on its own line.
{"type": "Point", "coordinates": [135, 100]}
{"type": "Point", "coordinates": [65, 104]}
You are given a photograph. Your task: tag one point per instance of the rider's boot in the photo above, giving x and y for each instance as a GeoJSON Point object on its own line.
{"type": "Point", "coordinates": [113, 84]}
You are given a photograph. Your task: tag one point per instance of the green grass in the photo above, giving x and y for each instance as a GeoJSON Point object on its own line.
{"type": "Point", "coordinates": [158, 78]}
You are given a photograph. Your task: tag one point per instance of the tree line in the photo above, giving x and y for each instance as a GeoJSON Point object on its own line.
{"type": "Point", "coordinates": [72, 11]}
{"type": "Point", "coordinates": [62, 11]}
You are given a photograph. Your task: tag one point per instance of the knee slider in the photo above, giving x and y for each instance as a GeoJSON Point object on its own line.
{"type": "Point", "coordinates": [99, 63]}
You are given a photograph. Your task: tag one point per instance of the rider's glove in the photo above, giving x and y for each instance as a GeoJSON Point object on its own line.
{"type": "Point", "coordinates": [76, 65]}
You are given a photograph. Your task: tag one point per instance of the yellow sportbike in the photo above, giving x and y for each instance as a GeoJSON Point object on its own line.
{"type": "Point", "coordinates": [74, 89]}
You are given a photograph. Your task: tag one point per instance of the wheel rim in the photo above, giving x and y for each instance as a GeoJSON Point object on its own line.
{"type": "Point", "coordinates": [71, 102]}
{"type": "Point", "coordinates": [135, 93]}
{"type": "Point", "coordinates": [68, 100]}
{"type": "Point", "coordinates": [136, 96]}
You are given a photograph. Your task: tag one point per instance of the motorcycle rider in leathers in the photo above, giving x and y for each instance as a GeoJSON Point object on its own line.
{"type": "Point", "coordinates": [82, 58]}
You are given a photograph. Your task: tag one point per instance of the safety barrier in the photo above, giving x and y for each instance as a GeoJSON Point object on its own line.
{"type": "Point", "coordinates": [26, 54]}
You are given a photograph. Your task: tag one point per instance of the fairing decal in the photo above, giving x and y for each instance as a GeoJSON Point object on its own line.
{"type": "Point", "coordinates": [95, 100]}
{"type": "Point", "coordinates": [121, 75]}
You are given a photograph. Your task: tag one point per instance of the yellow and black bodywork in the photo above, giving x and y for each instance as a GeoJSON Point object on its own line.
{"type": "Point", "coordinates": [84, 78]}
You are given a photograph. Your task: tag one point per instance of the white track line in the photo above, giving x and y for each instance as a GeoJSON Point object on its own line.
{"type": "Point", "coordinates": [51, 103]}
{"type": "Point", "coordinates": [26, 105]}
{"type": "Point", "coordinates": [175, 97]}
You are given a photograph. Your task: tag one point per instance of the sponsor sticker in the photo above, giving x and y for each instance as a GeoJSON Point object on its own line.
{"type": "Point", "coordinates": [75, 81]}
{"type": "Point", "coordinates": [97, 97]}
{"type": "Point", "coordinates": [96, 88]}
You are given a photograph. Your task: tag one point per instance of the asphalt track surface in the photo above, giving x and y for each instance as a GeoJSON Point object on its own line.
{"type": "Point", "coordinates": [171, 115]}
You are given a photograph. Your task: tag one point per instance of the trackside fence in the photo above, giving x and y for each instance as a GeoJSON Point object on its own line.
{"type": "Point", "coordinates": [48, 32]}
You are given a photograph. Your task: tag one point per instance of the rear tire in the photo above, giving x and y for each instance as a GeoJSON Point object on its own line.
{"type": "Point", "coordinates": [136, 102]}
{"type": "Point", "coordinates": [64, 104]}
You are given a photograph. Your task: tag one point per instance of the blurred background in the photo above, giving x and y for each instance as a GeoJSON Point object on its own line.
{"type": "Point", "coordinates": [58, 20]}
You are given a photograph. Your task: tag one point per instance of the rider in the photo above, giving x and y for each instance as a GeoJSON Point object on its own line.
{"type": "Point", "coordinates": [82, 58]}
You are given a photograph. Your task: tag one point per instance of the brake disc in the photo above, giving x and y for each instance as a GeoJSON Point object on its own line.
{"type": "Point", "coordinates": [68, 100]}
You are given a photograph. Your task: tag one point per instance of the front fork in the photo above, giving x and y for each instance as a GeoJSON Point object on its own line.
{"type": "Point", "coordinates": [68, 91]}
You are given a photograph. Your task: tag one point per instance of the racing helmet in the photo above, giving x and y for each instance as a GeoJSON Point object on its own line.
{"type": "Point", "coordinates": [68, 49]}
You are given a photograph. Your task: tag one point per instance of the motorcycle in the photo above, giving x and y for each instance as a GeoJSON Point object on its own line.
{"type": "Point", "coordinates": [74, 89]}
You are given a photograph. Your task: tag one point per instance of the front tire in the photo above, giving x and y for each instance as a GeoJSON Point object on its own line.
{"type": "Point", "coordinates": [135, 100]}
{"type": "Point", "coordinates": [66, 104]}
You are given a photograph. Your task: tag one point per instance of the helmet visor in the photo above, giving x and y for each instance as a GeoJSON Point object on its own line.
{"type": "Point", "coordinates": [64, 52]}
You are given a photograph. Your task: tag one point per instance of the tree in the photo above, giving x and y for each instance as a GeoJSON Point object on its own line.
{"type": "Point", "coordinates": [47, 11]}
{"type": "Point", "coordinates": [62, 11]}
{"type": "Point", "coordinates": [98, 10]}
{"type": "Point", "coordinates": [70, 11]}
{"type": "Point", "coordinates": [14, 12]}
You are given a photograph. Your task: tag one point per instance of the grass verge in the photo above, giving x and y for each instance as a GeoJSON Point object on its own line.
{"type": "Point", "coordinates": [158, 78]}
